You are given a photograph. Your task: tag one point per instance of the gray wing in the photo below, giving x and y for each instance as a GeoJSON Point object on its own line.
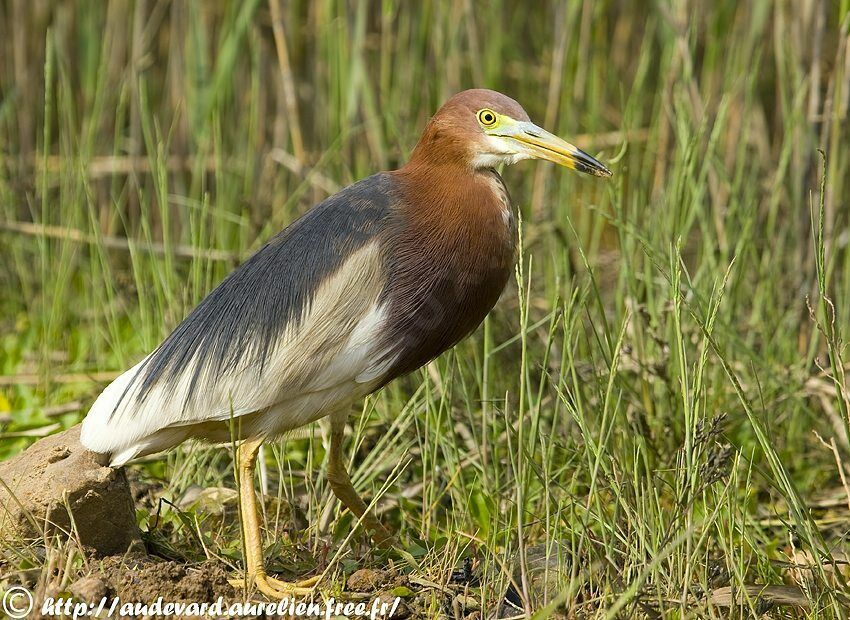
{"type": "Point", "coordinates": [296, 318]}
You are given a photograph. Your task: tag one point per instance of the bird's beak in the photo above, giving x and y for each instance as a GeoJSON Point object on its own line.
{"type": "Point", "coordinates": [541, 144]}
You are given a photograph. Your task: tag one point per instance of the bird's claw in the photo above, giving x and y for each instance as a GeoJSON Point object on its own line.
{"type": "Point", "coordinates": [277, 589]}
{"type": "Point", "coordinates": [382, 537]}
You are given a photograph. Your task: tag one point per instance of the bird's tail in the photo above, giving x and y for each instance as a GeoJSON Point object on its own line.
{"type": "Point", "coordinates": [109, 427]}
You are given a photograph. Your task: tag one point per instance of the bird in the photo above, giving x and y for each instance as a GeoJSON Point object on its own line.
{"type": "Point", "coordinates": [367, 286]}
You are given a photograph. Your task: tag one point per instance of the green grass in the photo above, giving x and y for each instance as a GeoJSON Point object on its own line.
{"type": "Point", "coordinates": [660, 399]}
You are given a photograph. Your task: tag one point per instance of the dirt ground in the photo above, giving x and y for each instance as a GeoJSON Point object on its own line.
{"type": "Point", "coordinates": [73, 522]}
{"type": "Point", "coordinates": [140, 578]}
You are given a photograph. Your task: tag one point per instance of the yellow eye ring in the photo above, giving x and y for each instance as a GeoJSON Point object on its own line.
{"type": "Point", "coordinates": [487, 117]}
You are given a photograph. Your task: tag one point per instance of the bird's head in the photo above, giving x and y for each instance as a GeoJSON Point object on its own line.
{"type": "Point", "coordinates": [483, 128]}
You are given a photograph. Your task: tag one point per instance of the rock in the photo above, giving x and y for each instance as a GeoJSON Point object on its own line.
{"type": "Point", "coordinates": [56, 474]}
{"type": "Point", "coordinates": [91, 589]}
{"type": "Point", "coordinates": [366, 580]}
{"type": "Point", "coordinates": [467, 602]}
{"type": "Point", "coordinates": [401, 609]}
{"type": "Point", "coordinates": [548, 567]}
{"type": "Point", "coordinates": [209, 500]}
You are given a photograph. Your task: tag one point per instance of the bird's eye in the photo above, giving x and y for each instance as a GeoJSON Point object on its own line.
{"type": "Point", "coordinates": [487, 117]}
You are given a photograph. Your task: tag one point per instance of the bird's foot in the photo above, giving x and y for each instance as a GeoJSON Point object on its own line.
{"type": "Point", "coordinates": [379, 534]}
{"type": "Point", "coordinates": [388, 543]}
{"type": "Point", "coordinates": [277, 589]}
{"type": "Point", "coordinates": [382, 537]}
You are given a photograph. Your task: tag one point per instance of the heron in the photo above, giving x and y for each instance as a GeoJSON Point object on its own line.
{"type": "Point", "coordinates": [369, 285]}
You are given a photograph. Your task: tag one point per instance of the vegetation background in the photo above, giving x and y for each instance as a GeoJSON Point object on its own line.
{"type": "Point", "coordinates": [659, 403]}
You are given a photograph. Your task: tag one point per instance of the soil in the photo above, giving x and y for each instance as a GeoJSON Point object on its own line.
{"type": "Point", "coordinates": [56, 487]}
{"type": "Point", "coordinates": [144, 579]}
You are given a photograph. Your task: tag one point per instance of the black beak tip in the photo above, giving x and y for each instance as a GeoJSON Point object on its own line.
{"type": "Point", "coordinates": [594, 168]}
{"type": "Point", "coordinates": [590, 165]}
{"type": "Point", "coordinates": [603, 172]}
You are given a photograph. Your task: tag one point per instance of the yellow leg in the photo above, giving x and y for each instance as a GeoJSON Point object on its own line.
{"type": "Point", "coordinates": [252, 537]}
{"type": "Point", "coordinates": [341, 485]}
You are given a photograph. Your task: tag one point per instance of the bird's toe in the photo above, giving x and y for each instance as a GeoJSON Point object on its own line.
{"type": "Point", "coordinates": [278, 589]}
